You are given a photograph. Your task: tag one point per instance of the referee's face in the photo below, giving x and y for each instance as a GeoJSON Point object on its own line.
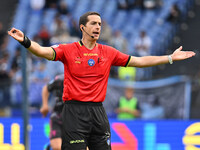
{"type": "Point", "coordinates": [94, 26]}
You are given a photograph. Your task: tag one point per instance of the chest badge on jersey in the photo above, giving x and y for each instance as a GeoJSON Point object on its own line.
{"type": "Point", "coordinates": [91, 62]}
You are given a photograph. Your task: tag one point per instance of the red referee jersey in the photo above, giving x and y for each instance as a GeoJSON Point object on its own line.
{"type": "Point", "coordinates": [86, 71]}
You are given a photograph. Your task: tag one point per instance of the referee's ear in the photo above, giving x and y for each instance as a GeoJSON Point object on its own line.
{"type": "Point", "coordinates": [81, 28]}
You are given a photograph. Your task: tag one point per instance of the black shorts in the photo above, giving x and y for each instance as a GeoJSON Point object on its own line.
{"type": "Point", "coordinates": [85, 124]}
{"type": "Point", "coordinates": [55, 125]}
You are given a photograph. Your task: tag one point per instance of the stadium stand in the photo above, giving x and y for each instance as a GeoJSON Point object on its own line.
{"type": "Point", "coordinates": [130, 22]}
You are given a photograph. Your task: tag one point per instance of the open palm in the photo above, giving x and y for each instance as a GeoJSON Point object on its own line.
{"type": "Point", "coordinates": [178, 54]}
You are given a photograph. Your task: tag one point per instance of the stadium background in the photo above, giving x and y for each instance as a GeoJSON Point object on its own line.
{"type": "Point", "coordinates": [176, 85]}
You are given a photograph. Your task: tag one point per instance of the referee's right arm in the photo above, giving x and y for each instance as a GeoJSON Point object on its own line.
{"type": "Point", "coordinates": [33, 47]}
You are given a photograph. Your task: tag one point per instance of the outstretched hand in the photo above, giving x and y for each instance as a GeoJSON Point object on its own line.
{"type": "Point", "coordinates": [16, 34]}
{"type": "Point", "coordinates": [178, 54]}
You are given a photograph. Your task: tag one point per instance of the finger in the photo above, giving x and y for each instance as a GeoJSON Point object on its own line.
{"type": "Point", "coordinates": [180, 48]}
{"type": "Point", "coordinates": [8, 32]}
{"type": "Point", "coordinates": [190, 54]}
{"type": "Point", "coordinates": [11, 33]}
{"type": "Point", "coordinates": [12, 29]}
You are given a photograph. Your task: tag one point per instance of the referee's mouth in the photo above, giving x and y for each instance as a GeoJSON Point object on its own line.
{"type": "Point", "coordinates": [96, 33]}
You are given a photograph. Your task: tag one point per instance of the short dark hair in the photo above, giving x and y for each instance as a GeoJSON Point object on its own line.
{"type": "Point", "coordinates": [84, 18]}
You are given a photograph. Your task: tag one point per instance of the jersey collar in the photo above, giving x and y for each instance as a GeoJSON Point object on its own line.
{"type": "Point", "coordinates": [81, 43]}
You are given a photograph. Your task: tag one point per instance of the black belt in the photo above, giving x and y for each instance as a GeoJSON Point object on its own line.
{"type": "Point", "coordinates": [83, 103]}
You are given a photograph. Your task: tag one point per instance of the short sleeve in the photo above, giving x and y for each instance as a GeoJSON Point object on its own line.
{"type": "Point", "coordinates": [119, 58]}
{"type": "Point", "coordinates": [58, 52]}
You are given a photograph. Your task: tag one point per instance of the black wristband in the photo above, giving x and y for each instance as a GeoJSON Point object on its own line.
{"type": "Point", "coordinates": [26, 43]}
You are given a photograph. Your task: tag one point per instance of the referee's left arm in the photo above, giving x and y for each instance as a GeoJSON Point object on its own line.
{"type": "Point", "coordinates": [148, 61]}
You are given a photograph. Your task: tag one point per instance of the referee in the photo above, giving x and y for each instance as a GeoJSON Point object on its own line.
{"type": "Point", "coordinates": [86, 70]}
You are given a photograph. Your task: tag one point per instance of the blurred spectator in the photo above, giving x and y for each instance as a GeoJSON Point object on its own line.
{"type": "Point", "coordinates": [63, 8]}
{"type": "Point", "coordinates": [125, 4]}
{"type": "Point", "coordinates": [4, 63]}
{"type": "Point", "coordinates": [130, 4]}
{"type": "Point", "coordinates": [37, 5]}
{"type": "Point", "coordinates": [74, 28]}
{"type": "Point", "coordinates": [54, 68]}
{"type": "Point", "coordinates": [3, 55]}
{"type": "Point", "coordinates": [139, 4]}
{"type": "Point", "coordinates": [37, 38]}
{"type": "Point", "coordinates": [152, 4]}
{"type": "Point", "coordinates": [59, 29]}
{"type": "Point", "coordinates": [174, 15]}
{"type": "Point", "coordinates": [16, 87]}
{"type": "Point", "coordinates": [44, 36]}
{"type": "Point", "coordinates": [106, 33]}
{"type": "Point", "coordinates": [128, 105]}
{"type": "Point", "coordinates": [16, 65]}
{"type": "Point", "coordinates": [3, 42]}
{"type": "Point", "coordinates": [51, 4]}
{"type": "Point", "coordinates": [5, 80]}
{"type": "Point", "coordinates": [16, 76]}
{"type": "Point", "coordinates": [127, 73]}
{"type": "Point", "coordinates": [39, 78]}
{"type": "Point", "coordinates": [114, 72]}
{"type": "Point", "coordinates": [16, 61]}
{"type": "Point", "coordinates": [36, 61]}
{"type": "Point", "coordinates": [119, 42]}
{"type": "Point", "coordinates": [142, 44]}
{"type": "Point", "coordinates": [2, 34]}
{"type": "Point", "coordinates": [152, 110]}
{"type": "Point", "coordinates": [40, 74]}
